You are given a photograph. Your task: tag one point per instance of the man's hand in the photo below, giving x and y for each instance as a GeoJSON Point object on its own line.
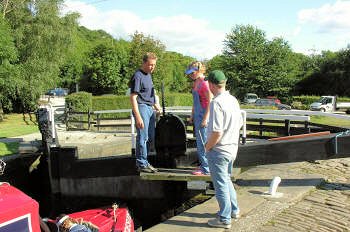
{"type": "Point", "coordinates": [204, 123]}
{"type": "Point", "coordinates": [190, 120]}
{"type": "Point", "coordinates": [139, 123]}
{"type": "Point", "coordinates": [206, 149]}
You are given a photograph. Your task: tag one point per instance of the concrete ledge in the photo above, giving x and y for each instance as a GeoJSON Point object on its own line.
{"type": "Point", "coordinates": [250, 186]}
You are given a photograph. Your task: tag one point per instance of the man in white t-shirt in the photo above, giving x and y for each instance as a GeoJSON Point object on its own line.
{"type": "Point", "coordinates": [225, 121]}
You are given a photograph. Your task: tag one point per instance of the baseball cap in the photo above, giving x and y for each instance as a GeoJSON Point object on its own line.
{"type": "Point", "coordinates": [216, 77]}
{"type": "Point", "coordinates": [194, 67]}
{"type": "Point", "coordinates": [190, 70]}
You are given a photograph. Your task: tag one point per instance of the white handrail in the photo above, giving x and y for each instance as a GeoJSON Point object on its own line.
{"type": "Point", "coordinates": [297, 112]}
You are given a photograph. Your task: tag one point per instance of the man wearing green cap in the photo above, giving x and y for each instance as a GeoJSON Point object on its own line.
{"type": "Point", "coordinates": [225, 121]}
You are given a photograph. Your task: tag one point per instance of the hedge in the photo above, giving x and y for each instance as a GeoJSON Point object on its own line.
{"type": "Point", "coordinates": [178, 99]}
{"type": "Point", "coordinates": [305, 100]}
{"type": "Point", "coordinates": [110, 102]}
{"type": "Point", "coordinates": [83, 101]}
{"type": "Point", "coordinates": [114, 102]}
{"type": "Point", "coordinates": [79, 102]}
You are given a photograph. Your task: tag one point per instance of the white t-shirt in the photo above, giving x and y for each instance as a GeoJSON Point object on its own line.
{"type": "Point", "coordinates": [225, 117]}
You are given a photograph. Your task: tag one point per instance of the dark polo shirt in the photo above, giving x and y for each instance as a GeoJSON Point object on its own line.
{"type": "Point", "coordinates": [142, 84]}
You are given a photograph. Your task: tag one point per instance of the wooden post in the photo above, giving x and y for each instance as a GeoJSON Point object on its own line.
{"type": "Point", "coordinates": [287, 126]}
{"type": "Point", "coordinates": [89, 114]}
{"type": "Point", "coordinates": [98, 122]}
{"type": "Point", "coordinates": [67, 119]}
{"type": "Point", "coordinates": [306, 123]}
{"type": "Point", "coordinates": [260, 128]}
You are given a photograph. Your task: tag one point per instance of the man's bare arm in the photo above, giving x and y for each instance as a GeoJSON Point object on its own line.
{"type": "Point", "coordinates": [213, 140]}
{"type": "Point", "coordinates": [135, 109]}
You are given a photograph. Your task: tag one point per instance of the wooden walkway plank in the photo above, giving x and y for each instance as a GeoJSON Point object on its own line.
{"type": "Point", "coordinates": [178, 175]}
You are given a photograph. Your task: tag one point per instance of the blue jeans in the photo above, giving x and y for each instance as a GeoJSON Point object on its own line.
{"type": "Point", "coordinates": [201, 139]}
{"type": "Point", "coordinates": [144, 136]}
{"type": "Point", "coordinates": [200, 132]}
{"type": "Point", "coordinates": [220, 167]}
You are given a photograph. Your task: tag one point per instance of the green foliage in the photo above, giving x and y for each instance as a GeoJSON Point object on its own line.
{"type": "Point", "coordinates": [254, 64]}
{"type": "Point", "coordinates": [1, 113]}
{"type": "Point", "coordinates": [140, 45]}
{"type": "Point", "coordinates": [173, 72]}
{"type": "Point", "coordinates": [84, 44]}
{"type": "Point", "coordinates": [8, 70]}
{"type": "Point", "coordinates": [105, 69]}
{"type": "Point", "coordinates": [42, 38]}
{"type": "Point", "coordinates": [299, 106]}
{"type": "Point", "coordinates": [117, 102]}
{"type": "Point", "coordinates": [79, 102]}
{"type": "Point", "coordinates": [305, 100]}
{"type": "Point", "coordinates": [8, 148]}
{"type": "Point", "coordinates": [110, 102]}
{"type": "Point", "coordinates": [330, 121]}
{"type": "Point", "coordinates": [17, 125]}
{"type": "Point", "coordinates": [216, 63]}
{"type": "Point", "coordinates": [178, 99]}
{"type": "Point", "coordinates": [343, 99]}
{"type": "Point", "coordinates": [332, 77]}
{"type": "Point", "coordinates": [252, 106]}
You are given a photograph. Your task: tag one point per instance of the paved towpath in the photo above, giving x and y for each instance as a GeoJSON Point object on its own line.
{"type": "Point", "coordinates": [316, 197]}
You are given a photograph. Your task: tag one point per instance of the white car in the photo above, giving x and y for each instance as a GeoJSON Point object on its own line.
{"type": "Point", "coordinates": [250, 98]}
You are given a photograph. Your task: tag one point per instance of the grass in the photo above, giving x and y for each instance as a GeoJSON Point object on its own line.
{"type": "Point", "coordinates": [330, 121]}
{"type": "Point", "coordinates": [8, 148]}
{"type": "Point", "coordinates": [16, 125]}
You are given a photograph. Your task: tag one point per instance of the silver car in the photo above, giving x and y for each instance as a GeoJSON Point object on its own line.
{"type": "Point", "coordinates": [250, 98]}
{"type": "Point", "coordinates": [271, 102]}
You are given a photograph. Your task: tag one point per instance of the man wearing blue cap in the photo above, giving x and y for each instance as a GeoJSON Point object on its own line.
{"type": "Point", "coordinates": [225, 121]}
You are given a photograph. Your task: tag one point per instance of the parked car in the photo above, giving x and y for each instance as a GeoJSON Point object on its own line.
{"type": "Point", "coordinates": [274, 98]}
{"type": "Point", "coordinates": [271, 102]}
{"type": "Point", "coordinates": [330, 104]}
{"type": "Point", "coordinates": [57, 92]}
{"type": "Point", "coordinates": [250, 98]}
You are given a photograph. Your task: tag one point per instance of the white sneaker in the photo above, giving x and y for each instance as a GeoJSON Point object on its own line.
{"type": "Point", "coordinates": [152, 168]}
{"type": "Point", "coordinates": [219, 224]}
{"type": "Point", "coordinates": [235, 215]}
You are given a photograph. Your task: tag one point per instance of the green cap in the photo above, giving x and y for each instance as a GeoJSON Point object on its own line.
{"type": "Point", "coordinates": [216, 77]}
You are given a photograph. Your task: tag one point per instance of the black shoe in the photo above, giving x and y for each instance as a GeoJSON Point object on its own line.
{"type": "Point", "coordinates": [152, 168]}
{"type": "Point", "coordinates": [145, 169]}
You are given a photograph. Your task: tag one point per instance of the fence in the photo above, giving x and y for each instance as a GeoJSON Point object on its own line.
{"type": "Point", "coordinates": [117, 120]}
{"type": "Point", "coordinates": [261, 123]}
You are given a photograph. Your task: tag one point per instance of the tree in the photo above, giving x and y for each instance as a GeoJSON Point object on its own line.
{"type": "Point", "coordinates": [42, 39]}
{"type": "Point", "coordinates": [173, 72]}
{"type": "Point", "coordinates": [105, 69]}
{"type": "Point", "coordinates": [216, 63]}
{"type": "Point", "coordinates": [139, 45]}
{"type": "Point", "coordinates": [331, 75]}
{"type": "Point", "coordinates": [254, 64]}
{"type": "Point", "coordinates": [8, 70]}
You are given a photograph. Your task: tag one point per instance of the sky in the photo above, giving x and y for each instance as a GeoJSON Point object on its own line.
{"type": "Point", "coordinates": [198, 28]}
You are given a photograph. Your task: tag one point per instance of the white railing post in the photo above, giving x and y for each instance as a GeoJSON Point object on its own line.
{"type": "Point", "coordinates": [51, 121]}
{"type": "Point", "coordinates": [133, 135]}
{"type": "Point", "coordinates": [244, 127]}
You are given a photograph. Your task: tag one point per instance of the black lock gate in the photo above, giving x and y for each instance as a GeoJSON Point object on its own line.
{"type": "Point", "coordinates": [170, 140]}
